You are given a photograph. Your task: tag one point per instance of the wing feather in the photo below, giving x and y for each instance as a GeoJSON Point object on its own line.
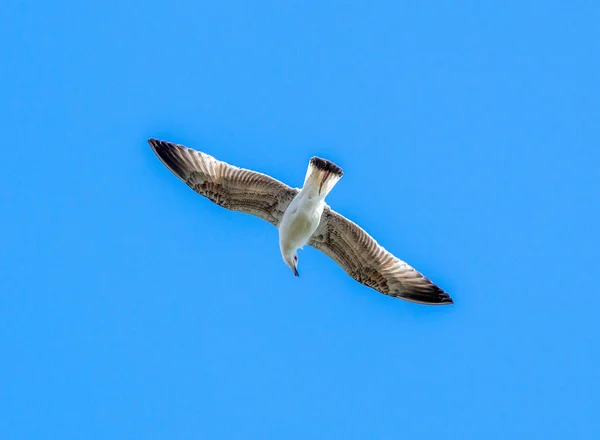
{"type": "Point", "coordinates": [226, 185]}
{"type": "Point", "coordinates": [370, 264]}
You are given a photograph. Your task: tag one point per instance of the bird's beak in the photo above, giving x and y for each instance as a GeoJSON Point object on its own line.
{"type": "Point", "coordinates": [296, 272]}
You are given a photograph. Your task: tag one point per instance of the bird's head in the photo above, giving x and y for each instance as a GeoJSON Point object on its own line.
{"type": "Point", "coordinates": [291, 259]}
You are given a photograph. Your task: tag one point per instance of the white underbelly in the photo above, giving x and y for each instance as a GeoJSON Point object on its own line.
{"type": "Point", "coordinates": [299, 231]}
{"type": "Point", "coordinates": [298, 225]}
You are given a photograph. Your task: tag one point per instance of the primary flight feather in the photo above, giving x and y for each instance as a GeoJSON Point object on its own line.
{"type": "Point", "coordinates": [302, 217]}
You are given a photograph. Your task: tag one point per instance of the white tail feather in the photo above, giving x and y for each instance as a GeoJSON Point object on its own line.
{"type": "Point", "coordinates": [322, 175]}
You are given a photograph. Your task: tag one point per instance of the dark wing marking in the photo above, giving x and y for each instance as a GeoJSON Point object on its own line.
{"type": "Point", "coordinates": [226, 185]}
{"type": "Point", "coordinates": [370, 264]}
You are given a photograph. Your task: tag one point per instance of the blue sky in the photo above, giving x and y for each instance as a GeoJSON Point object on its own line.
{"type": "Point", "coordinates": [132, 308]}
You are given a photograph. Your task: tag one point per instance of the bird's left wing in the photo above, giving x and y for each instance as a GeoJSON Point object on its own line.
{"type": "Point", "coordinates": [226, 185]}
{"type": "Point", "coordinates": [370, 264]}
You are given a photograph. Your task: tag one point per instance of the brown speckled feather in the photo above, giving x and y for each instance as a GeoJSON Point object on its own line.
{"type": "Point", "coordinates": [231, 187]}
{"type": "Point", "coordinates": [370, 264]}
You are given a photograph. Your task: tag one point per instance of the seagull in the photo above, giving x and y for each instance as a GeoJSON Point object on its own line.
{"type": "Point", "coordinates": [302, 217]}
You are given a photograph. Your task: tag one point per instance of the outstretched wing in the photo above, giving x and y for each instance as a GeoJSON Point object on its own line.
{"type": "Point", "coordinates": [231, 187]}
{"type": "Point", "coordinates": [370, 264]}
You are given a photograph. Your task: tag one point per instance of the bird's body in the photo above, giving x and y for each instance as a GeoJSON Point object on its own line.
{"type": "Point", "coordinates": [302, 217]}
{"type": "Point", "coordinates": [300, 221]}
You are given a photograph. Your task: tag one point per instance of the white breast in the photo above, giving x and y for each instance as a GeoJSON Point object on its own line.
{"type": "Point", "coordinates": [300, 221]}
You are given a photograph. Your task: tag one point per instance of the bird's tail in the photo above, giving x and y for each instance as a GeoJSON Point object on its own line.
{"type": "Point", "coordinates": [322, 175]}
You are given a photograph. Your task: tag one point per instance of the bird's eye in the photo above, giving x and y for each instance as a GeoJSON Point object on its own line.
{"type": "Point", "coordinates": [296, 258]}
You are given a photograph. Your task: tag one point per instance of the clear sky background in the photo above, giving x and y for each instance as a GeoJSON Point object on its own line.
{"type": "Point", "coordinates": [132, 308]}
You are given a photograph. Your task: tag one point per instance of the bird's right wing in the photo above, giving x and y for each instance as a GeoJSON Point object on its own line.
{"type": "Point", "coordinates": [226, 185]}
{"type": "Point", "coordinates": [370, 264]}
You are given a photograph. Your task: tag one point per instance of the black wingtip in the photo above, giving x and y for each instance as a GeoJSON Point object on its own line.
{"type": "Point", "coordinates": [170, 155]}
{"type": "Point", "coordinates": [434, 297]}
{"type": "Point", "coordinates": [424, 292]}
{"type": "Point", "coordinates": [159, 144]}
{"type": "Point", "coordinates": [446, 301]}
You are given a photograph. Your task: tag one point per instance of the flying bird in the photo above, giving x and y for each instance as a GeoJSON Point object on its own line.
{"type": "Point", "coordinates": [302, 217]}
